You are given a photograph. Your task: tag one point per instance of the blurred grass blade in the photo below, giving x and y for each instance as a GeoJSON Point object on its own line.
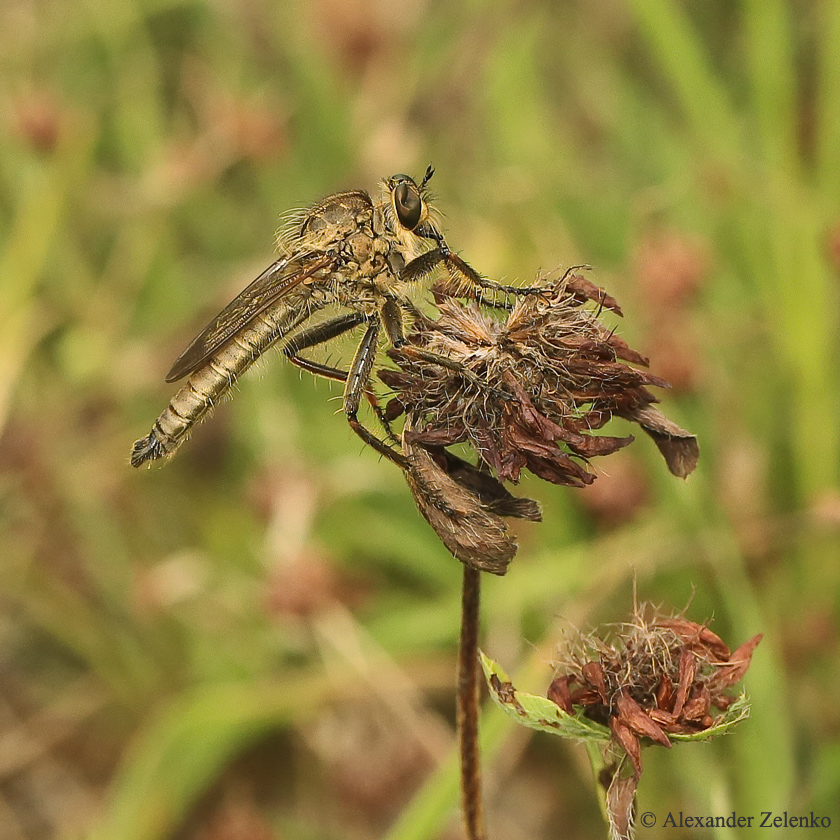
{"type": "Point", "coordinates": [828, 104]}
{"type": "Point", "coordinates": [37, 220]}
{"type": "Point", "coordinates": [180, 754]}
{"type": "Point", "coordinates": [772, 71]}
{"type": "Point", "coordinates": [686, 66]}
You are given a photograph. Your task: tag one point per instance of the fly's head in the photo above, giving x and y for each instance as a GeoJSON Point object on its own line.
{"type": "Point", "coordinates": [409, 213]}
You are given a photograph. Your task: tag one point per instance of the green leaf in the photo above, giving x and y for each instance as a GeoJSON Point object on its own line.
{"type": "Point", "coordinates": [738, 711]}
{"type": "Point", "coordinates": [538, 712]}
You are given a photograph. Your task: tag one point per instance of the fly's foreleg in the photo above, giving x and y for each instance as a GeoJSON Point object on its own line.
{"type": "Point", "coordinates": [357, 380]}
{"type": "Point", "coordinates": [467, 282]}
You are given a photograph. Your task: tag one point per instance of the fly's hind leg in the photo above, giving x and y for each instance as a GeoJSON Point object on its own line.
{"type": "Point", "coordinates": [321, 333]}
{"type": "Point", "coordinates": [356, 384]}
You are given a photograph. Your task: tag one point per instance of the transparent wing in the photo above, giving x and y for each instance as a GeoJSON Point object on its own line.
{"type": "Point", "coordinates": [277, 280]}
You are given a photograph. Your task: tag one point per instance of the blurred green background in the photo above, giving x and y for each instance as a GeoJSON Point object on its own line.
{"type": "Point", "coordinates": [258, 640]}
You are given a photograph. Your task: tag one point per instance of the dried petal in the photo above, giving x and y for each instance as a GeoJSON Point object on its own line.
{"type": "Point", "coordinates": [623, 350]}
{"type": "Point", "coordinates": [584, 289]}
{"type": "Point", "coordinates": [593, 673]}
{"type": "Point", "coordinates": [558, 692]}
{"type": "Point", "coordinates": [473, 534]}
{"type": "Point", "coordinates": [722, 701]}
{"type": "Point", "coordinates": [697, 635]}
{"type": "Point", "coordinates": [738, 663]}
{"type": "Point", "coordinates": [679, 447]}
{"type": "Point", "coordinates": [489, 491]}
{"type": "Point", "coordinates": [586, 697]}
{"type": "Point", "coordinates": [628, 742]}
{"type": "Point", "coordinates": [667, 720]}
{"type": "Point", "coordinates": [687, 671]}
{"type": "Point", "coordinates": [621, 806]}
{"type": "Point", "coordinates": [665, 693]}
{"type": "Point", "coordinates": [632, 714]}
{"type": "Point", "coordinates": [437, 437]}
{"type": "Point", "coordinates": [697, 708]}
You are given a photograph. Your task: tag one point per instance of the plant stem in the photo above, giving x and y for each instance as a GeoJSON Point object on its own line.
{"type": "Point", "coordinates": [468, 693]}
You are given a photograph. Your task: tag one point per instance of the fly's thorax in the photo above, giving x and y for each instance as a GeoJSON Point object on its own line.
{"type": "Point", "coordinates": [333, 220]}
{"type": "Point", "coordinates": [359, 249]}
{"type": "Point", "coordinates": [367, 260]}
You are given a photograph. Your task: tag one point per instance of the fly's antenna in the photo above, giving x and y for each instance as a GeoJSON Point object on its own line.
{"type": "Point", "coordinates": [430, 170]}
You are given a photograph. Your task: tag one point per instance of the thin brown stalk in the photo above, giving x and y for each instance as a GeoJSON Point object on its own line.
{"type": "Point", "coordinates": [468, 695]}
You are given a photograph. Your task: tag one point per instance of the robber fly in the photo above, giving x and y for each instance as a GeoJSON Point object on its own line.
{"type": "Point", "coordinates": [347, 251]}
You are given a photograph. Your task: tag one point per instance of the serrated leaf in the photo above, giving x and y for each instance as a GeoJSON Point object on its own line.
{"type": "Point", "coordinates": [738, 711]}
{"type": "Point", "coordinates": [537, 712]}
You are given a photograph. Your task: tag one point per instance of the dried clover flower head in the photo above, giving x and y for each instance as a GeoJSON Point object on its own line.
{"type": "Point", "coordinates": [527, 392]}
{"type": "Point", "coordinates": [656, 678]}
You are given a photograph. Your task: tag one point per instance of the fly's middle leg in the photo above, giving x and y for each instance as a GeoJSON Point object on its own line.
{"type": "Point", "coordinates": [321, 333]}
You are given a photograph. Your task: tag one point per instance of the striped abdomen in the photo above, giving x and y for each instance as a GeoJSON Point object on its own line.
{"type": "Point", "coordinates": [211, 382]}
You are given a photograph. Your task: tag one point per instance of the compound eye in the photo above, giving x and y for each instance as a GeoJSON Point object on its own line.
{"type": "Point", "coordinates": [408, 204]}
